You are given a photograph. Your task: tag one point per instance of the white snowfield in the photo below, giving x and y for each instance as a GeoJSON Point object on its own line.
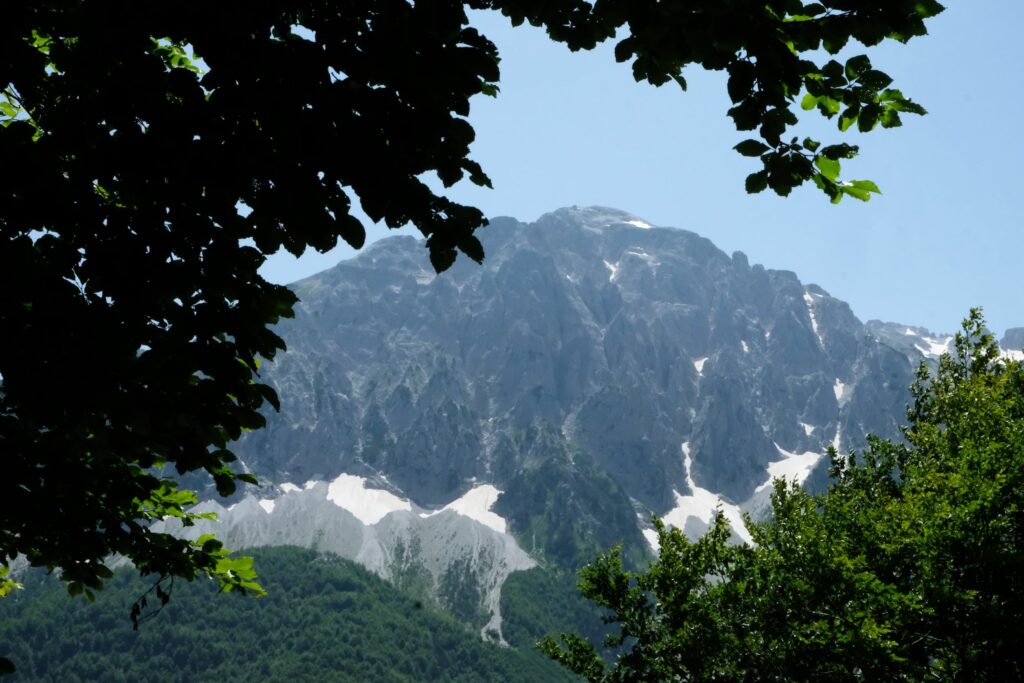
{"type": "Point", "coordinates": [701, 505]}
{"type": "Point", "coordinates": [698, 365]}
{"type": "Point", "coordinates": [930, 347]}
{"type": "Point", "coordinates": [793, 467]}
{"type": "Point", "coordinates": [842, 391]}
{"type": "Point", "coordinates": [933, 348]}
{"type": "Point", "coordinates": [614, 268]}
{"type": "Point", "coordinates": [637, 223]}
{"type": "Point", "coordinates": [809, 300]}
{"type": "Point", "coordinates": [476, 504]}
{"type": "Point", "coordinates": [378, 529]}
{"type": "Point", "coordinates": [368, 505]}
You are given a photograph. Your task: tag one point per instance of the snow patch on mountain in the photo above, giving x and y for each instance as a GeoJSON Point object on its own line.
{"type": "Point", "coordinates": [380, 531]}
{"type": "Point", "coordinates": [929, 346]}
{"type": "Point", "coordinates": [809, 300]}
{"type": "Point", "coordinates": [792, 467]}
{"type": "Point", "coordinates": [288, 487]}
{"type": "Point", "coordinates": [614, 268]}
{"type": "Point", "coordinates": [598, 218]}
{"type": "Point", "coordinates": [932, 347]}
{"type": "Point", "coordinates": [808, 429]}
{"type": "Point", "coordinates": [842, 391]}
{"type": "Point", "coordinates": [368, 505]}
{"type": "Point", "coordinates": [476, 504]}
{"type": "Point", "coordinates": [700, 505]}
{"type": "Point", "coordinates": [698, 365]}
{"type": "Point", "coordinates": [651, 261]}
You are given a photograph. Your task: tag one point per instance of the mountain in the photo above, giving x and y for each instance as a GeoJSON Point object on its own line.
{"type": "Point", "coordinates": [448, 430]}
{"type": "Point", "coordinates": [919, 344]}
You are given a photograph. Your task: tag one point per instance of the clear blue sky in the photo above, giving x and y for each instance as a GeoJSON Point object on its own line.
{"type": "Point", "coordinates": [945, 235]}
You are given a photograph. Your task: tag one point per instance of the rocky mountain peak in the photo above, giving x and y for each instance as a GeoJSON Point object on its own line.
{"type": "Point", "coordinates": [593, 371]}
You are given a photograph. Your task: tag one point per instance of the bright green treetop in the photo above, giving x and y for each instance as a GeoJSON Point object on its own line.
{"type": "Point", "coordinates": [910, 567]}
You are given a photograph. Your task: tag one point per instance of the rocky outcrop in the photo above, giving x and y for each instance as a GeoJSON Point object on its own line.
{"type": "Point", "coordinates": [621, 340]}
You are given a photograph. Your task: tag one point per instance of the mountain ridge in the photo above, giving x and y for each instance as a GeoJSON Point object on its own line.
{"type": "Point", "coordinates": [593, 371]}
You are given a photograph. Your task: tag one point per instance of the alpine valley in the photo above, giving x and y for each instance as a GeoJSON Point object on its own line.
{"type": "Point", "coordinates": [473, 437]}
{"type": "Point", "coordinates": [446, 431]}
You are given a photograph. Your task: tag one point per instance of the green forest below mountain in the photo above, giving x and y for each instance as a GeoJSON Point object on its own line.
{"type": "Point", "coordinates": [325, 619]}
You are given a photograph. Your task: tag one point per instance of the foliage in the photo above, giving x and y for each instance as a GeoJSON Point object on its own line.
{"type": "Point", "coordinates": [158, 152]}
{"type": "Point", "coordinates": [544, 600]}
{"type": "Point", "coordinates": [909, 568]}
{"type": "Point", "coordinates": [325, 619]}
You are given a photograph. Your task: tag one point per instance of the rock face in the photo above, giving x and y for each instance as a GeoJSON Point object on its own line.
{"type": "Point", "coordinates": [567, 371]}
{"type": "Point", "coordinates": [447, 430]}
{"type": "Point", "coordinates": [1013, 340]}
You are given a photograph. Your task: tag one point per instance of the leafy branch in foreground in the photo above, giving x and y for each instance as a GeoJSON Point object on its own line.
{"type": "Point", "coordinates": [132, 310]}
{"type": "Point", "coordinates": [911, 567]}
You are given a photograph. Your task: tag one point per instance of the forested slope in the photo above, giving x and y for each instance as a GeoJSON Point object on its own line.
{"type": "Point", "coordinates": [325, 619]}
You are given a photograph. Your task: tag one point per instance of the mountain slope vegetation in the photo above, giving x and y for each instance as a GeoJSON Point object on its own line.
{"type": "Point", "coordinates": [324, 619]}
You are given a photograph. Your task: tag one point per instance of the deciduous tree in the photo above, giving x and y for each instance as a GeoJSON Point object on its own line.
{"type": "Point", "coordinates": [909, 568]}
{"type": "Point", "coordinates": [155, 153]}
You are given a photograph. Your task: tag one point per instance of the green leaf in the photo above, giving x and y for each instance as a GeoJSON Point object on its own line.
{"type": "Point", "coordinates": [849, 118]}
{"type": "Point", "coordinates": [868, 118]}
{"type": "Point", "coordinates": [830, 168]}
{"type": "Point", "coordinates": [840, 151]}
{"type": "Point", "coordinates": [828, 106]}
{"type": "Point", "coordinates": [855, 192]}
{"type": "Point", "coordinates": [209, 544]}
{"type": "Point", "coordinates": [471, 247]}
{"type": "Point", "coordinates": [928, 8]}
{"type": "Point", "coordinates": [890, 118]}
{"type": "Point", "coordinates": [742, 76]}
{"type": "Point", "coordinates": [856, 66]}
{"type": "Point", "coordinates": [876, 80]}
{"type": "Point", "coordinates": [624, 49]}
{"type": "Point", "coordinates": [442, 259]}
{"type": "Point", "coordinates": [809, 102]}
{"type": "Point", "coordinates": [752, 148]}
{"type": "Point", "coordinates": [757, 182]}
{"type": "Point", "coordinates": [865, 185]}
{"type": "Point", "coordinates": [811, 145]}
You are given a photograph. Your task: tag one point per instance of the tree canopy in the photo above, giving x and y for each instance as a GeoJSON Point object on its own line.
{"type": "Point", "coordinates": [157, 152]}
{"type": "Point", "coordinates": [909, 568]}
